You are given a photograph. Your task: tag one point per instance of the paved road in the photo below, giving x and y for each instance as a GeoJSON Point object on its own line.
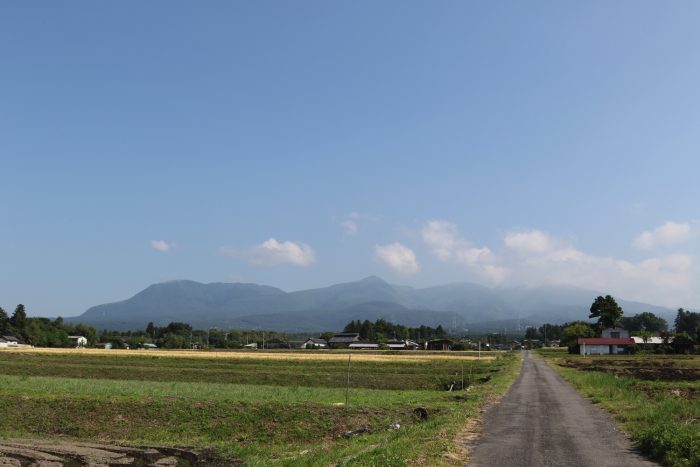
{"type": "Point", "coordinates": [544, 421]}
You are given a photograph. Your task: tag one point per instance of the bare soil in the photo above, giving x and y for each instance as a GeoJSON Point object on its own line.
{"type": "Point", "coordinates": [650, 370]}
{"type": "Point", "coordinates": [43, 453]}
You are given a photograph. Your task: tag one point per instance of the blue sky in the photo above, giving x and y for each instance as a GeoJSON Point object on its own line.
{"type": "Point", "coordinates": [299, 144]}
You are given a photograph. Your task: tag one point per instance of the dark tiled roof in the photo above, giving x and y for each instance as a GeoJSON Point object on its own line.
{"type": "Point", "coordinates": [316, 340]}
{"type": "Point", "coordinates": [344, 337]}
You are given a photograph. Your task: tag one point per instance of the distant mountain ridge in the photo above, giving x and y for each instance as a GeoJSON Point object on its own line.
{"type": "Point", "coordinates": [454, 306]}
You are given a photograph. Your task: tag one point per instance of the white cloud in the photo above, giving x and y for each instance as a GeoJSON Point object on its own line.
{"type": "Point", "coordinates": [668, 233]}
{"type": "Point", "coordinates": [349, 226]}
{"type": "Point", "coordinates": [162, 246]}
{"type": "Point", "coordinates": [271, 253]}
{"type": "Point", "coordinates": [530, 241]}
{"type": "Point", "coordinates": [445, 242]}
{"type": "Point", "coordinates": [398, 257]}
{"type": "Point", "coordinates": [535, 257]}
{"type": "Point", "coordinates": [662, 279]}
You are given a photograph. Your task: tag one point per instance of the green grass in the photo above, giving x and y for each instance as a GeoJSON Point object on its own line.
{"type": "Point", "coordinates": [658, 415]}
{"type": "Point", "coordinates": [399, 374]}
{"type": "Point", "coordinates": [262, 412]}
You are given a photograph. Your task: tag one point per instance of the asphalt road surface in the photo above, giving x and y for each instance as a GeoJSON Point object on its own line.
{"type": "Point", "coordinates": [544, 421]}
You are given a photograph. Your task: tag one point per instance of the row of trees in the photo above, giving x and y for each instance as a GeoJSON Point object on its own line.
{"type": "Point", "coordinates": [179, 335]}
{"type": "Point", "coordinates": [382, 331]}
{"type": "Point", "coordinates": [42, 332]}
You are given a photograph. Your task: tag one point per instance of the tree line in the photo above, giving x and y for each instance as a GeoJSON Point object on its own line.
{"type": "Point", "coordinates": [42, 332]}
{"type": "Point", "coordinates": [383, 331]}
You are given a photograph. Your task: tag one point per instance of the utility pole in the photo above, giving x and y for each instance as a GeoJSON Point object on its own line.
{"type": "Point", "coordinates": [347, 388]}
{"type": "Point", "coordinates": [545, 334]}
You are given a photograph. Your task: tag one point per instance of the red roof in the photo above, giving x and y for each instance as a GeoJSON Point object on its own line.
{"type": "Point", "coordinates": [605, 341]}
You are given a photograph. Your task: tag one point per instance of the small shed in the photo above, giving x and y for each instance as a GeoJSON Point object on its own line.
{"type": "Point", "coordinates": [406, 344]}
{"type": "Point", "coordinates": [439, 344]}
{"type": "Point", "coordinates": [364, 346]}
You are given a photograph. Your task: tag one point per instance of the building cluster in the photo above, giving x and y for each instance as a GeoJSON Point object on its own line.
{"type": "Point", "coordinates": [352, 340]}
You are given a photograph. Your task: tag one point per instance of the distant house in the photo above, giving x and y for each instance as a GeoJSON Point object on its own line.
{"type": "Point", "coordinates": [604, 345]}
{"type": "Point", "coordinates": [439, 344]}
{"type": "Point", "coordinates": [253, 345]}
{"type": "Point", "coordinates": [104, 345]}
{"type": "Point", "coordinates": [315, 343]}
{"type": "Point", "coordinates": [78, 341]}
{"type": "Point", "coordinates": [363, 346]}
{"type": "Point", "coordinates": [13, 341]}
{"type": "Point", "coordinates": [343, 339]}
{"type": "Point", "coordinates": [406, 344]}
{"type": "Point", "coordinates": [148, 346]}
{"type": "Point", "coordinates": [296, 344]}
{"type": "Point", "coordinates": [613, 341]}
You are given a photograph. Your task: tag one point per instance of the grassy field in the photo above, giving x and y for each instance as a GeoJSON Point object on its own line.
{"type": "Point", "coordinates": [655, 397]}
{"type": "Point", "coordinates": [260, 408]}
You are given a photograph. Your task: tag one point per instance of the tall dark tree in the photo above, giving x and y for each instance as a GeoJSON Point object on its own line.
{"type": "Point", "coordinates": [607, 311]}
{"type": "Point", "coordinates": [688, 322]}
{"type": "Point", "coordinates": [19, 320]}
{"type": "Point", "coordinates": [4, 322]}
{"type": "Point", "coordinates": [151, 330]}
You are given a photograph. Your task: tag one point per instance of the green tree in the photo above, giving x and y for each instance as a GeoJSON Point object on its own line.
{"type": "Point", "coordinates": [19, 320]}
{"type": "Point", "coordinates": [151, 330]}
{"type": "Point", "coordinates": [173, 341]}
{"type": "Point", "coordinates": [688, 322]}
{"type": "Point", "coordinates": [4, 322]}
{"type": "Point", "coordinates": [572, 331]}
{"type": "Point", "coordinates": [607, 311]}
{"type": "Point", "coordinates": [644, 322]}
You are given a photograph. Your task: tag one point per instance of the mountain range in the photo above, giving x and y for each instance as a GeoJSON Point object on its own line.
{"type": "Point", "coordinates": [456, 306]}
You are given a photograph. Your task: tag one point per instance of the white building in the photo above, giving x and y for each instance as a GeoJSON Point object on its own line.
{"type": "Point", "coordinates": [79, 341]}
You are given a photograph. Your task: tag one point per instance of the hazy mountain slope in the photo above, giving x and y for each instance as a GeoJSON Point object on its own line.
{"type": "Point", "coordinates": [255, 306]}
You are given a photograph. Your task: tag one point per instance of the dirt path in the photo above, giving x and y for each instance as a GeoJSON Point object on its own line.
{"type": "Point", "coordinates": [42, 453]}
{"type": "Point", "coordinates": [544, 421]}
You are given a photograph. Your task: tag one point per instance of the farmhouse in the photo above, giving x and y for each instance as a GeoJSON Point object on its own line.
{"type": "Point", "coordinates": [315, 343]}
{"type": "Point", "coordinates": [342, 340]}
{"type": "Point", "coordinates": [12, 341]}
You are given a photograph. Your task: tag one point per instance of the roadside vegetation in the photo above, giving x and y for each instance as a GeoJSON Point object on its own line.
{"type": "Point", "coordinates": [656, 398]}
{"type": "Point", "coordinates": [275, 410]}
